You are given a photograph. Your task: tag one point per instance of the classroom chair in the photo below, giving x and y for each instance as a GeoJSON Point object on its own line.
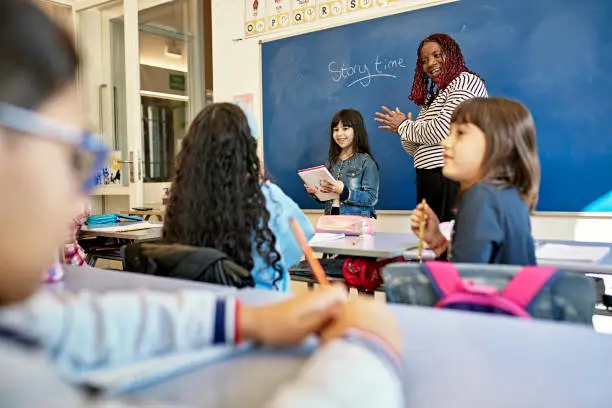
{"type": "Point", "coordinates": [206, 265]}
{"type": "Point", "coordinates": [100, 248]}
{"type": "Point", "coordinates": [302, 272]}
{"type": "Point", "coordinates": [570, 298]}
{"type": "Point", "coordinates": [333, 269]}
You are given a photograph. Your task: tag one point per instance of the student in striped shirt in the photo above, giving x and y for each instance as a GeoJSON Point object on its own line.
{"type": "Point", "coordinates": [441, 82]}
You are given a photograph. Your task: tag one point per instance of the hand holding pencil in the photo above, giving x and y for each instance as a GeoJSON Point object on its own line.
{"type": "Point", "coordinates": [425, 225]}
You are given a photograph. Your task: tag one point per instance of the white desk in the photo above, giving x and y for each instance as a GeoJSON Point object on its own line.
{"type": "Point", "coordinates": [603, 266]}
{"type": "Point", "coordinates": [100, 281]}
{"type": "Point", "coordinates": [381, 245]}
{"type": "Point", "coordinates": [149, 234]}
{"type": "Point", "coordinates": [458, 359]}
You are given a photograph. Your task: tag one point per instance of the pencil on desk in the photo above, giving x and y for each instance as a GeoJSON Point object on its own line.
{"type": "Point", "coordinates": [421, 232]}
{"type": "Point", "coordinates": [314, 263]}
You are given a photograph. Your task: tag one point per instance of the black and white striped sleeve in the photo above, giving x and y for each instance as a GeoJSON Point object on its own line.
{"type": "Point", "coordinates": [433, 131]}
{"type": "Point", "coordinates": [409, 147]}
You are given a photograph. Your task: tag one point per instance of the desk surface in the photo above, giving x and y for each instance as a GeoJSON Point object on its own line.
{"type": "Point", "coordinates": [380, 245]}
{"type": "Point", "coordinates": [457, 359]}
{"type": "Point", "coordinates": [452, 358]}
{"type": "Point", "coordinates": [100, 281]}
{"type": "Point", "coordinates": [149, 234]}
{"type": "Point", "coordinates": [603, 267]}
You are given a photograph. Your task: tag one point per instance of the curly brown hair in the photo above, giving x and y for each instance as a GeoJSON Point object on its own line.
{"type": "Point", "coordinates": [216, 199]}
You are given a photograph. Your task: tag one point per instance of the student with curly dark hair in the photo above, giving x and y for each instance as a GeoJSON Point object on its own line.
{"type": "Point", "coordinates": [220, 199]}
{"type": "Point", "coordinates": [441, 82]}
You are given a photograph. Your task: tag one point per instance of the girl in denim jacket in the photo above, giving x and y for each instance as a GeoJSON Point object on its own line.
{"type": "Point", "coordinates": [351, 163]}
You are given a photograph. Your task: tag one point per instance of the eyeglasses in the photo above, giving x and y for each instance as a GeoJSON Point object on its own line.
{"type": "Point", "coordinates": [90, 151]}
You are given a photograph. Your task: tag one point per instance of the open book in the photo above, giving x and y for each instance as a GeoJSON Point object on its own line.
{"type": "Point", "coordinates": [314, 176]}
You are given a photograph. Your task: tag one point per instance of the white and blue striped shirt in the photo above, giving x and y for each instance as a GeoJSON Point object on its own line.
{"type": "Point", "coordinates": [421, 138]}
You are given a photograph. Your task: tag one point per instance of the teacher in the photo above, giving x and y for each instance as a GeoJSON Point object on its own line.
{"type": "Point", "coordinates": [441, 82]}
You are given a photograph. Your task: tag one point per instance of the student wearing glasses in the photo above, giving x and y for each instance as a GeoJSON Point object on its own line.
{"type": "Point", "coordinates": [47, 164]}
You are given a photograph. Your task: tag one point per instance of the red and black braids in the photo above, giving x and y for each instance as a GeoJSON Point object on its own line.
{"type": "Point", "coordinates": [423, 88]}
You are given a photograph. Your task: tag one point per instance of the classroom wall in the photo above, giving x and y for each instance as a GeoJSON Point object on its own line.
{"type": "Point", "coordinates": [237, 70]}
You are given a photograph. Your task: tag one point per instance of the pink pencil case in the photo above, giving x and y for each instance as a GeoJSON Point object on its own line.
{"type": "Point", "coordinates": [345, 224]}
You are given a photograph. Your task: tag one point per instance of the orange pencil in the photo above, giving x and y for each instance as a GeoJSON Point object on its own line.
{"type": "Point", "coordinates": [316, 267]}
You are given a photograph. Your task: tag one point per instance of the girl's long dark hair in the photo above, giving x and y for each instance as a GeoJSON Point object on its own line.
{"type": "Point", "coordinates": [216, 199]}
{"type": "Point", "coordinates": [352, 119]}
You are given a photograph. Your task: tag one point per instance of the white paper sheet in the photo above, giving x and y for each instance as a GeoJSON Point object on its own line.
{"type": "Point", "coordinates": [570, 253]}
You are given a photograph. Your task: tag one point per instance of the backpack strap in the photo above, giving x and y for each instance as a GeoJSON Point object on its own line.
{"type": "Point", "coordinates": [443, 277]}
{"type": "Point", "coordinates": [526, 284]}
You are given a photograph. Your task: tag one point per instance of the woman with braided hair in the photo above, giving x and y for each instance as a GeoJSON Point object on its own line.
{"type": "Point", "coordinates": [441, 82]}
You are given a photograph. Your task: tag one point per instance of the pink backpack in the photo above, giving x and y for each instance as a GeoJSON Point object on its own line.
{"type": "Point", "coordinates": [460, 294]}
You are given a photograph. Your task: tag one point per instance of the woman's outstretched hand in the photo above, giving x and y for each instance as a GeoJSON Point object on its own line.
{"type": "Point", "coordinates": [391, 119]}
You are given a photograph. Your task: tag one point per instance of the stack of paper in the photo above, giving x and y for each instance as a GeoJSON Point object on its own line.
{"type": "Point", "coordinates": [570, 253]}
{"type": "Point", "coordinates": [321, 237]}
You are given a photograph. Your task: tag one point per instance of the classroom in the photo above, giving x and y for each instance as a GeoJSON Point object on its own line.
{"type": "Point", "coordinates": [246, 203]}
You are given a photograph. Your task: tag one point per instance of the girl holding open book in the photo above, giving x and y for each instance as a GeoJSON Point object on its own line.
{"type": "Point", "coordinates": [351, 163]}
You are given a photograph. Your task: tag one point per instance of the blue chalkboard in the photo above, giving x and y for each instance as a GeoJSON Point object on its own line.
{"type": "Point", "coordinates": [554, 55]}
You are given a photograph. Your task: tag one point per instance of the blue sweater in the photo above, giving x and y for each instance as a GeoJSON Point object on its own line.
{"type": "Point", "coordinates": [281, 209]}
{"type": "Point", "coordinates": [493, 226]}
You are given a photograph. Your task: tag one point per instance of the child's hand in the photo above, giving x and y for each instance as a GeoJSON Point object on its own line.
{"type": "Point", "coordinates": [311, 190]}
{"type": "Point", "coordinates": [368, 315]}
{"type": "Point", "coordinates": [328, 187]}
{"type": "Point", "coordinates": [289, 323]}
{"type": "Point", "coordinates": [431, 232]}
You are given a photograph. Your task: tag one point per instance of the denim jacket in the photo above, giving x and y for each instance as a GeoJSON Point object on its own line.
{"type": "Point", "coordinates": [359, 174]}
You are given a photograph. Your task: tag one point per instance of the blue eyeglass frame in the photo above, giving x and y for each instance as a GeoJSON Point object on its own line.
{"type": "Point", "coordinates": [27, 121]}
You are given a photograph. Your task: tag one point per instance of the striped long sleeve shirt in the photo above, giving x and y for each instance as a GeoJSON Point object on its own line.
{"type": "Point", "coordinates": [421, 138]}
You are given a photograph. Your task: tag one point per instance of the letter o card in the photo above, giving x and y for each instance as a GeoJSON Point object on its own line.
{"type": "Point", "coordinates": [254, 17]}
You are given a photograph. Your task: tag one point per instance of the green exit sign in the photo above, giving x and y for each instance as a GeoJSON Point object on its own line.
{"type": "Point", "coordinates": [177, 82]}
